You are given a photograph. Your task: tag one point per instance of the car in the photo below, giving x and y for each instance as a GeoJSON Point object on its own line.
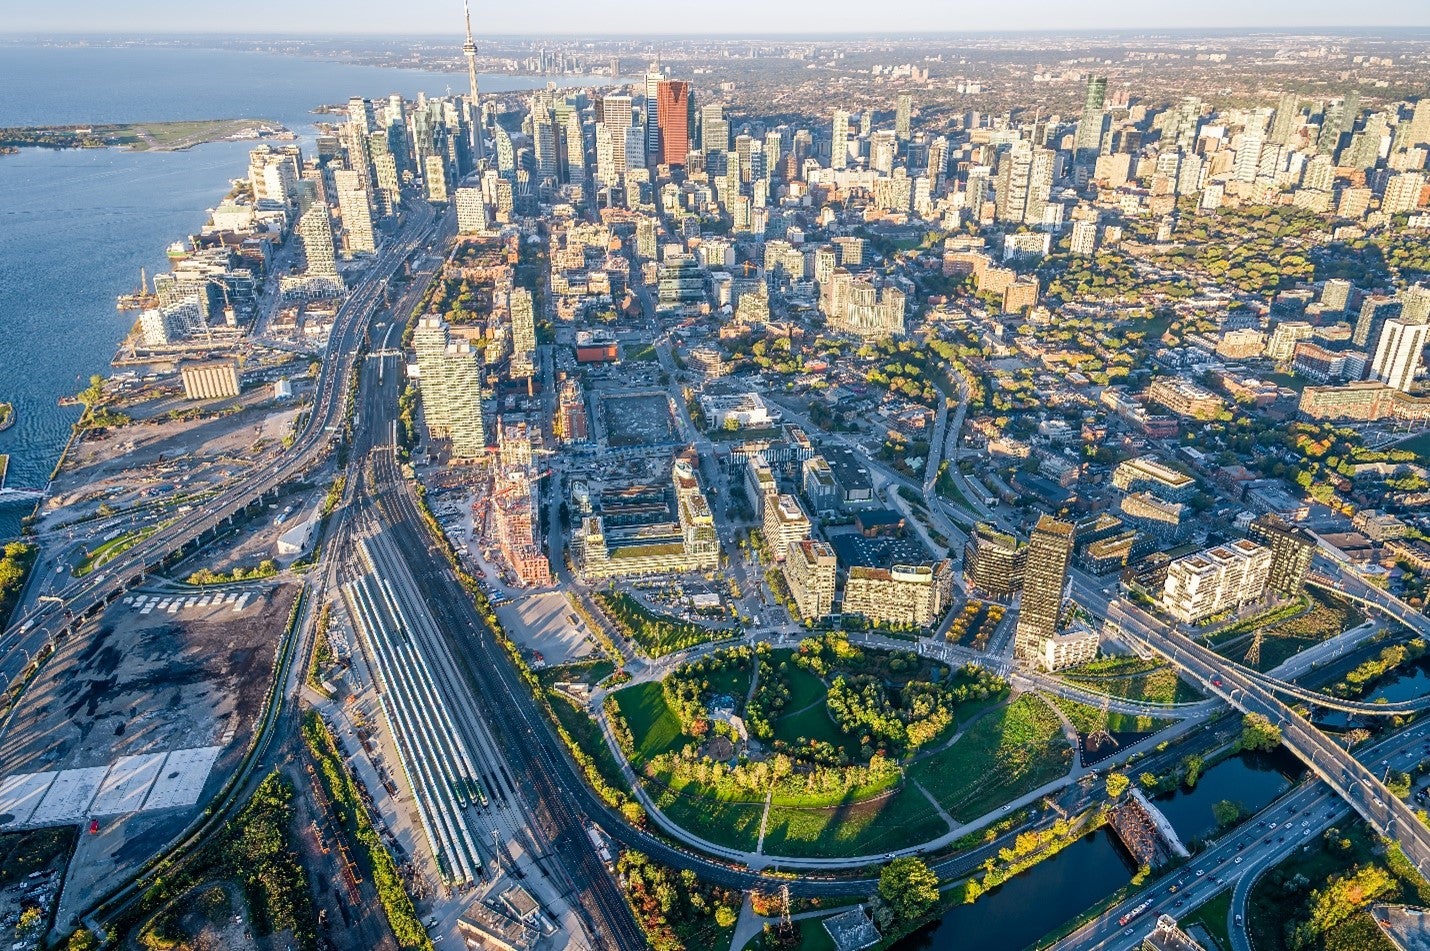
{"type": "Point", "coordinates": [1238, 920]}
{"type": "Point", "coordinates": [1128, 931]}
{"type": "Point", "coordinates": [1266, 841]}
{"type": "Point", "coordinates": [1238, 860]}
{"type": "Point", "coordinates": [1201, 872]}
{"type": "Point", "coordinates": [1305, 832]}
{"type": "Point", "coordinates": [1273, 825]}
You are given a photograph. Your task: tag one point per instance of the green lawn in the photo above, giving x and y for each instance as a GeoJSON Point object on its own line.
{"type": "Point", "coordinates": [587, 733]}
{"type": "Point", "coordinates": [1212, 916]}
{"type": "Point", "coordinates": [902, 819]}
{"type": "Point", "coordinates": [732, 682]}
{"type": "Point", "coordinates": [732, 824]}
{"type": "Point", "coordinates": [654, 726]}
{"type": "Point", "coordinates": [1089, 719]}
{"type": "Point", "coordinates": [1420, 445]}
{"type": "Point", "coordinates": [1135, 680]}
{"type": "Point", "coordinates": [1005, 754]}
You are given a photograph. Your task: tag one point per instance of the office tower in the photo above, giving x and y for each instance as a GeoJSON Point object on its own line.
{"type": "Point", "coordinates": [571, 140]}
{"type": "Point", "coordinates": [1288, 119]}
{"type": "Point", "coordinates": [675, 112]}
{"type": "Point", "coordinates": [774, 148]}
{"type": "Point", "coordinates": [653, 78]}
{"type": "Point", "coordinates": [903, 111]}
{"type": "Point", "coordinates": [543, 141]}
{"type": "Point", "coordinates": [1088, 141]}
{"type": "Point", "coordinates": [450, 375]}
{"type": "Point", "coordinates": [839, 140]}
{"type": "Point", "coordinates": [1045, 572]}
{"type": "Point", "coordinates": [1398, 351]}
{"type": "Point", "coordinates": [357, 212]}
{"type": "Point", "coordinates": [883, 146]}
{"type": "Point", "coordinates": [315, 232]}
{"type": "Point", "coordinates": [523, 320]}
{"type": "Point", "coordinates": [1402, 193]}
{"type": "Point", "coordinates": [1291, 552]}
{"type": "Point", "coordinates": [993, 562]}
{"type": "Point", "coordinates": [714, 129]}
{"type": "Point", "coordinates": [615, 111]}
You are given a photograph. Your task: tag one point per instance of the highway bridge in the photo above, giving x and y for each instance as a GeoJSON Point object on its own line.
{"type": "Point", "coordinates": [1351, 780]}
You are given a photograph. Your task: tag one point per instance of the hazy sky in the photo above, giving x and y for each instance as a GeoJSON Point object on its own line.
{"type": "Point", "coordinates": [686, 16]}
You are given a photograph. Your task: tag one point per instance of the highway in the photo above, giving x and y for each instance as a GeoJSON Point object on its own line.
{"type": "Point", "coordinates": [1351, 780]}
{"type": "Point", "coordinates": [59, 614]}
{"type": "Point", "coordinates": [1297, 818]}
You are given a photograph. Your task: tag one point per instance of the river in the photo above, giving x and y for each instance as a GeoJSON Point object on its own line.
{"type": "Point", "coordinates": [77, 225]}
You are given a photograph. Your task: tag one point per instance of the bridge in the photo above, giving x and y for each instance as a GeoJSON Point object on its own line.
{"type": "Point", "coordinates": [1351, 780]}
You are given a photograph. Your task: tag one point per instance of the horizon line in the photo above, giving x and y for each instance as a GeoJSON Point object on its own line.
{"type": "Point", "coordinates": [792, 34]}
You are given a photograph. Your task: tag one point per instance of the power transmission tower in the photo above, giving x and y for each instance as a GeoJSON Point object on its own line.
{"type": "Point", "coordinates": [1253, 654]}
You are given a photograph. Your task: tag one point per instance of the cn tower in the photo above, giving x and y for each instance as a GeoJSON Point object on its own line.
{"type": "Point", "coordinates": [469, 48]}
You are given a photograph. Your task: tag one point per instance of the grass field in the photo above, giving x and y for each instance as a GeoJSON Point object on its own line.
{"type": "Point", "coordinates": [1088, 719]}
{"type": "Point", "coordinates": [657, 634]}
{"type": "Point", "coordinates": [1134, 679]}
{"type": "Point", "coordinates": [587, 733]}
{"type": "Point", "coordinates": [1212, 916]}
{"type": "Point", "coordinates": [1005, 754]}
{"type": "Point", "coordinates": [904, 818]}
{"type": "Point", "coordinates": [732, 824]}
{"type": "Point", "coordinates": [806, 717]}
{"type": "Point", "coordinates": [654, 726]}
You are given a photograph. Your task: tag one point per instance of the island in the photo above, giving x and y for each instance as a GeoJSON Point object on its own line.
{"type": "Point", "coordinates": [141, 136]}
{"type": "Point", "coordinates": [7, 416]}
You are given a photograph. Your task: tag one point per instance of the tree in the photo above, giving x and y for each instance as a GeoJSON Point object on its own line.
{"type": "Point", "coordinates": [725, 916]}
{"type": "Point", "coordinates": [909, 886]}
{"type": "Point", "coordinates": [1259, 734]}
{"type": "Point", "coordinates": [1226, 813]}
{"type": "Point", "coordinates": [82, 940]}
{"type": "Point", "coordinates": [1117, 784]}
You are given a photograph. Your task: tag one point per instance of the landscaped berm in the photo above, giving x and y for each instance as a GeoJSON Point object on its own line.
{"type": "Point", "coordinates": [832, 750]}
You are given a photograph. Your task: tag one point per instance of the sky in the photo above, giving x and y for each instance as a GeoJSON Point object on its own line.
{"type": "Point", "coordinates": [554, 17]}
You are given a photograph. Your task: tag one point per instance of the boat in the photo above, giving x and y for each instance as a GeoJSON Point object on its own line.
{"type": "Point", "coordinates": [7, 416]}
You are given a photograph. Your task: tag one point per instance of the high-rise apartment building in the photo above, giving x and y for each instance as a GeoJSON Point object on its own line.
{"type": "Point", "coordinates": [451, 376]}
{"type": "Point", "coordinates": [784, 523]}
{"type": "Point", "coordinates": [1216, 580]}
{"type": "Point", "coordinates": [1045, 574]}
{"type": "Point", "coordinates": [1088, 141]}
{"type": "Point", "coordinates": [839, 140]}
{"type": "Point", "coordinates": [675, 114]}
{"type": "Point", "coordinates": [900, 596]}
{"type": "Point", "coordinates": [1291, 552]}
{"type": "Point", "coordinates": [903, 113]}
{"type": "Point", "coordinates": [357, 211]}
{"type": "Point", "coordinates": [315, 232]}
{"type": "Point", "coordinates": [809, 572]}
{"type": "Point", "coordinates": [993, 562]}
{"type": "Point", "coordinates": [523, 321]}
{"type": "Point", "coordinates": [1398, 352]}
{"type": "Point", "coordinates": [471, 210]}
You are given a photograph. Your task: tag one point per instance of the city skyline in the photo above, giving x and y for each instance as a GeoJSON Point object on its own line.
{"type": "Point", "coordinates": [743, 18]}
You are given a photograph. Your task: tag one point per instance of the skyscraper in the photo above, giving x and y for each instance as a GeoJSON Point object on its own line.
{"type": "Point", "coordinates": [714, 129]}
{"type": "Point", "coordinates": [1288, 119]}
{"type": "Point", "coordinates": [903, 111]}
{"type": "Point", "coordinates": [469, 50]}
{"type": "Point", "coordinates": [839, 140]}
{"type": "Point", "coordinates": [450, 375]}
{"type": "Point", "coordinates": [357, 212]}
{"type": "Point", "coordinates": [653, 79]}
{"type": "Point", "coordinates": [315, 231]}
{"type": "Point", "coordinates": [1045, 573]}
{"type": "Point", "coordinates": [1090, 127]}
{"type": "Point", "coordinates": [675, 111]}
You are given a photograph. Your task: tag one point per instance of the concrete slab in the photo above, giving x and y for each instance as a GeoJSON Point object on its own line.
{"type": "Point", "coordinates": [127, 784]}
{"type": "Point", "coordinates": [69, 797]}
{"type": "Point", "coordinates": [182, 777]}
{"type": "Point", "coordinates": [20, 796]}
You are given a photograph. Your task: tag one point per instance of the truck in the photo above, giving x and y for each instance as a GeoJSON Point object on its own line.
{"type": "Point", "coordinates": [1134, 913]}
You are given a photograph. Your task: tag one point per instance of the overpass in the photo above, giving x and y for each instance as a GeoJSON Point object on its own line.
{"type": "Point", "coordinates": [50, 620]}
{"type": "Point", "coordinates": [1351, 780]}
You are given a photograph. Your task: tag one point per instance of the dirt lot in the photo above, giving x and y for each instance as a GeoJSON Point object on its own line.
{"type": "Point", "coordinates": [542, 623]}
{"type": "Point", "coordinates": [139, 683]}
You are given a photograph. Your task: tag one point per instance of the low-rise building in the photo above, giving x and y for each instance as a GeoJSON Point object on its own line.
{"type": "Point", "coordinates": [211, 380]}
{"type": "Point", "coordinates": [1150, 474]}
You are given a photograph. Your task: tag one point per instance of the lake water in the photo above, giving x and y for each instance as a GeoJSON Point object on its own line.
{"type": "Point", "coordinates": [76, 226]}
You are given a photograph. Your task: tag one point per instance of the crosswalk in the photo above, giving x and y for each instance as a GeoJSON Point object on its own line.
{"type": "Point", "coordinates": [147, 604]}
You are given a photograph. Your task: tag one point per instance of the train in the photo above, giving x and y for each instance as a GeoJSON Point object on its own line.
{"type": "Point", "coordinates": [1134, 913]}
